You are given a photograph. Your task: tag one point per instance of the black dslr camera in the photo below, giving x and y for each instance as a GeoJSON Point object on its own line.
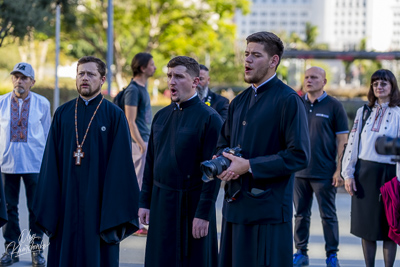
{"type": "Point", "coordinates": [385, 145]}
{"type": "Point", "coordinates": [211, 168]}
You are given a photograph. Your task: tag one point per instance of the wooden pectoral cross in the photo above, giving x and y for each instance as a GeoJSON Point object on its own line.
{"type": "Point", "coordinates": [78, 154]}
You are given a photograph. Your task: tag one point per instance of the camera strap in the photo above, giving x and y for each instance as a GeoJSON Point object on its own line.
{"type": "Point", "coordinates": [232, 189]}
{"type": "Point", "coordinates": [364, 116]}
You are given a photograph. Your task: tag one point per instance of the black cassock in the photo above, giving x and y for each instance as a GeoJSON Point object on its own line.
{"type": "Point", "coordinates": [218, 102]}
{"type": "Point", "coordinates": [271, 128]}
{"type": "Point", "coordinates": [87, 210]}
{"type": "Point", "coordinates": [3, 210]}
{"type": "Point", "coordinates": [181, 138]}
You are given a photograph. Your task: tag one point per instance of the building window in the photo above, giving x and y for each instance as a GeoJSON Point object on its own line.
{"type": "Point", "coordinates": [293, 23]}
{"type": "Point", "coordinates": [253, 22]}
{"type": "Point", "coordinates": [283, 14]}
{"type": "Point", "coordinates": [283, 23]}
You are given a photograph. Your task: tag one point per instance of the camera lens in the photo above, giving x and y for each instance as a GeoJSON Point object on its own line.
{"type": "Point", "coordinates": [211, 168]}
{"type": "Point", "coordinates": [386, 145]}
{"type": "Point", "coordinates": [208, 168]}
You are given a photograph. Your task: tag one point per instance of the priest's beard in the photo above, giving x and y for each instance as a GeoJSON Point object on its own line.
{"type": "Point", "coordinates": [200, 91]}
{"type": "Point", "coordinates": [258, 76]}
{"type": "Point", "coordinates": [175, 99]}
{"type": "Point", "coordinates": [88, 92]}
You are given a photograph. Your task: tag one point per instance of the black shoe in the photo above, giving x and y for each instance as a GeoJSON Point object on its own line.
{"type": "Point", "coordinates": [8, 258]}
{"type": "Point", "coordinates": [38, 259]}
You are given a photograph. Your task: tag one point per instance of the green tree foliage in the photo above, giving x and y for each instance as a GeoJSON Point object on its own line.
{"type": "Point", "coordinates": [19, 18]}
{"type": "Point", "coordinates": [294, 41]}
{"type": "Point", "coordinates": [202, 29]}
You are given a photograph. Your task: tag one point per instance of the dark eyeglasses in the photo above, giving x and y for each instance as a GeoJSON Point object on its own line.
{"type": "Point", "coordinates": [376, 84]}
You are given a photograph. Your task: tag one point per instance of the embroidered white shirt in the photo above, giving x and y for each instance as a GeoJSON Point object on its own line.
{"type": "Point", "coordinates": [383, 121]}
{"type": "Point", "coordinates": [24, 157]}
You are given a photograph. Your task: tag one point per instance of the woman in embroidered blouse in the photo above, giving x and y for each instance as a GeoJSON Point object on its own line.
{"type": "Point", "coordinates": [365, 171]}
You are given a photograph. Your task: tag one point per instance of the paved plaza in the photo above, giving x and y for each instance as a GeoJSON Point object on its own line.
{"type": "Point", "coordinates": [350, 254]}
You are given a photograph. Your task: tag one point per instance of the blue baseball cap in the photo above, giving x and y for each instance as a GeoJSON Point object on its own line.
{"type": "Point", "coordinates": [24, 68]}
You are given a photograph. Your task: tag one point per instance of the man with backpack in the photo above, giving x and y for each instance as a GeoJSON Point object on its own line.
{"type": "Point", "coordinates": [137, 108]}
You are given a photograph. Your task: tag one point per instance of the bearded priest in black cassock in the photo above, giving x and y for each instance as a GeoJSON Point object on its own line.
{"type": "Point", "coordinates": [87, 197]}
{"type": "Point", "coordinates": [178, 206]}
{"type": "Point", "coordinates": [268, 121]}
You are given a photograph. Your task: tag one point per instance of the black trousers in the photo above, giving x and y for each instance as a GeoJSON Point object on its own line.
{"type": "Point", "coordinates": [11, 230]}
{"type": "Point", "coordinates": [325, 193]}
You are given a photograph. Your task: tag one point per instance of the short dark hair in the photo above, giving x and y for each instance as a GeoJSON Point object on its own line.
{"type": "Point", "coordinates": [272, 43]}
{"type": "Point", "coordinates": [138, 61]}
{"type": "Point", "coordinates": [202, 67]}
{"type": "Point", "coordinates": [192, 67]}
{"type": "Point", "coordinates": [101, 66]}
{"type": "Point", "coordinates": [384, 75]}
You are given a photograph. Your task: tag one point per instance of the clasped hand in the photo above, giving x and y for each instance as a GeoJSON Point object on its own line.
{"type": "Point", "coordinates": [238, 167]}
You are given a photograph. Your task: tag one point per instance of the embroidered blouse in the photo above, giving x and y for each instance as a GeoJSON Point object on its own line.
{"type": "Point", "coordinates": [383, 121]}
{"type": "Point", "coordinates": [24, 126]}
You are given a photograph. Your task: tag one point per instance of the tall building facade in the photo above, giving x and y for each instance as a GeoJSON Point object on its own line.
{"type": "Point", "coordinates": [342, 24]}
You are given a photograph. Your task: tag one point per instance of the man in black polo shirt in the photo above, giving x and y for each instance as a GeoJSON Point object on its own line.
{"type": "Point", "coordinates": [327, 123]}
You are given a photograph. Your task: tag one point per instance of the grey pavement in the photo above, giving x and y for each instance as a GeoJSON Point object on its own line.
{"type": "Point", "coordinates": [350, 254]}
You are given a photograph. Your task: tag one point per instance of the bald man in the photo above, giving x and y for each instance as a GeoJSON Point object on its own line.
{"type": "Point", "coordinates": [327, 123]}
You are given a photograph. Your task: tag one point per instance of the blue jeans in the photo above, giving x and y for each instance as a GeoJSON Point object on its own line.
{"type": "Point", "coordinates": [11, 230]}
